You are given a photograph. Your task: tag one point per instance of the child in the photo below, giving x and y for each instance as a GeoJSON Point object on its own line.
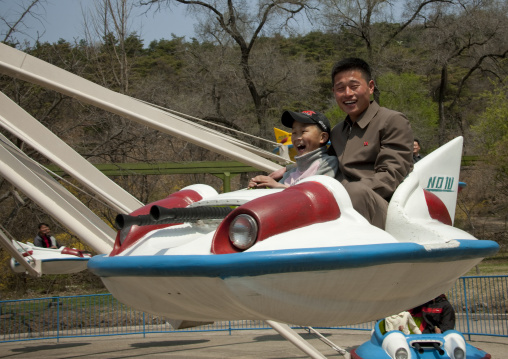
{"type": "Point", "coordinates": [403, 322]}
{"type": "Point", "coordinates": [311, 131]}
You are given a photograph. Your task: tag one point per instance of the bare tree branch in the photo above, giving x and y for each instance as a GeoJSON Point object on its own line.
{"type": "Point", "coordinates": [25, 13]}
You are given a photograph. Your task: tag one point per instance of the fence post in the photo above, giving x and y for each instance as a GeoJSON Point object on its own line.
{"type": "Point", "coordinates": [144, 331]}
{"type": "Point", "coordinates": [467, 308]}
{"type": "Point", "coordinates": [229, 327]}
{"type": "Point", "coordinates": [57, 318]}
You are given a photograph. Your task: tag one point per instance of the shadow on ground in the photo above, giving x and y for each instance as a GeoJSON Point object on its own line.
{"type": "Point", "coordinates": [277, 337]}
{"type": "Point", "coordinates": [169, 343]}
{"type": "Point", "coordinates": [37, 348]}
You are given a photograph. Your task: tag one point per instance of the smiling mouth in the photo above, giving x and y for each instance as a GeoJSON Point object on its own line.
{"type": "Point", "coordinates": [300, 147]}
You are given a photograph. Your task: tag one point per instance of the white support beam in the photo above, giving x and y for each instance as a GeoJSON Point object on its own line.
{"type": "Point", "coordinates": [33, 268]}
{"type": "Point", "coordinates": [22, 125]}
{"type": "Point", "coordinates": [295, 339]}
{"type": "Point", "coordinates": [20, 65]}
{"type": "Point", "coordinates": [19, 170]}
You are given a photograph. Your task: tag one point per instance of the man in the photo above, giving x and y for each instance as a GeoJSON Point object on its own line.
{"type": "Point", "coordinates": [416, 151]}
{"type": "Point", "coordinates": [44, 238]}
{"type": "Point", "coordinates": [373, 144]}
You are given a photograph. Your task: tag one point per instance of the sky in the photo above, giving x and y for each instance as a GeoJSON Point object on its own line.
{"type": "Point", "coordinates": [64, 19]}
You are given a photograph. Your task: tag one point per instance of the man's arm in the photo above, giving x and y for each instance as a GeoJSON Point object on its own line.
{"type": "Point", "coordinates": [394, 161]}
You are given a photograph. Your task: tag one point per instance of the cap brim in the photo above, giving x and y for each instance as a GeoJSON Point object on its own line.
{"type": "Point", "coordinates": [288, 117]}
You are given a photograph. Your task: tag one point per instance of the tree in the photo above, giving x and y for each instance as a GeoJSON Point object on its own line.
{"type": "Point", "coordinates": [485, 201]}
{"type": "Point", "coordinates": [409, 94]}
{"type": "Point", "coordinates": [15, 21]}
{"type": "Point", "coordinates": [372, 21]}
{"type": "Point", "coordinates": [491, 129]}
{"type": "Point", "coordinates": [464, 41]}
{"type": "Point", "coordinates": [359, 19]}
{"type": "Point", "coordinates": [242, 23]}
{"type": "Point", "coordinates": [111, 44]}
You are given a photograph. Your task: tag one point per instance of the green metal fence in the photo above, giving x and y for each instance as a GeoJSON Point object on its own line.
{"type": "Point", "coordinates": [480, 302]}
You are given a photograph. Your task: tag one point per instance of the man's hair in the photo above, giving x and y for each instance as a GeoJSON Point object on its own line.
{"type": "Point", "coordinates": [43, 224]}
{"type": "Point", "coordinates": [417, 141]}
{"type": "Point", "coordinates": [352, 63]}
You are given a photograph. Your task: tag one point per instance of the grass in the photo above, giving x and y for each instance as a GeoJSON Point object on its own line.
{"type": "Point", "coordinates": [497, 265]}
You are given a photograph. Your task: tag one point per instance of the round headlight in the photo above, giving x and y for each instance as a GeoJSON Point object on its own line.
{"type": "Point", "coordinates": [458, 353]}
{"type": "Point", "coordinates": [401, 353]}
{"type": "Point", "coordinates": [243, 231]}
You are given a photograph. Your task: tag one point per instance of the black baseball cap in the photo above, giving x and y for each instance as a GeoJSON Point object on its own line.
{"type": "Point", "coordinates": [288, 117]}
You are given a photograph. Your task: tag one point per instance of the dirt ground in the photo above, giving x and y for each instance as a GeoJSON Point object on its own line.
{"type": "Point", "coordinates": [249, 344]}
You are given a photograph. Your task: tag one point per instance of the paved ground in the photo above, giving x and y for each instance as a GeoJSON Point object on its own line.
{"type": "Point", "coordinates": [256, 344]}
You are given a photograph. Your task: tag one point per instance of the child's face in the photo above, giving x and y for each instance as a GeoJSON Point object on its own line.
{"type": "Point", "coordinates": [307, 137]}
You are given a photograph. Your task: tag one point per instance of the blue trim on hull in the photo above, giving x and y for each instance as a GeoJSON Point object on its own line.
{"type": "Point", "coordinates": [284, 261]}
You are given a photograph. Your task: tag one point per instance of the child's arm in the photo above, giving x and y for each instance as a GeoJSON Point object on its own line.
{"type": "Point", "coordinates": [412, 325]}
{"type": "Point", "coordinates": [277, 175]}
{"type": "Point", "coordinates": [265, 182]}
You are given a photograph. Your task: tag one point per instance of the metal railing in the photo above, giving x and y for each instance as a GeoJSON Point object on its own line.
{"type": "Point", "coordinates": [480, 302]}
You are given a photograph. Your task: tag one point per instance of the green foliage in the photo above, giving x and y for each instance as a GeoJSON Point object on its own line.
{"type": "Point", "coordinates": [408, 93]}
{"type": "Point", "coordinates": [492, 136]}
{"type": "Point", "coordinates": [335, 115]}
{"type": "Point", "coordinates": [315, 45]}
{"type": "Point", "coordinates": [161, 57]}
{"type": "Point", "coordinates": [492, 127]}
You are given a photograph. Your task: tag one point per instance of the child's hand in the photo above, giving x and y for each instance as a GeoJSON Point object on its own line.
{"type": "Point", "coordinates": [277, 175]}
{"type": "Point", "coordinates": [264, 182]}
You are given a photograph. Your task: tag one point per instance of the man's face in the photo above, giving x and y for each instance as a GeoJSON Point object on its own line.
{"type": "Point", "coordinates": [416, 148]}
{"type": "Point", "coordinates": [352, 92]}
{"type": "Point", "coordinates": [44, 230]}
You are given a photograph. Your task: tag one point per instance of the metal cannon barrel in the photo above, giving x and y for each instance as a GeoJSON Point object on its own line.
{"type": "Point", "coordinates": [188, 214]}
{"type": "Point", "coordinates": [162, 215]}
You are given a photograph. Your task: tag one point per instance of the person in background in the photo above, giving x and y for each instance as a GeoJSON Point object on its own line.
{"type": "Point", "coordinates": [403, 322]}
{"type": "Point", "coordinates": [310, 134]}
{"type": "Point", "coordinates": [416, 151]}
{"type": "Point", "coordinates": [44, 238]}
{"type": "Point", "coordinates": [436, 316]}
